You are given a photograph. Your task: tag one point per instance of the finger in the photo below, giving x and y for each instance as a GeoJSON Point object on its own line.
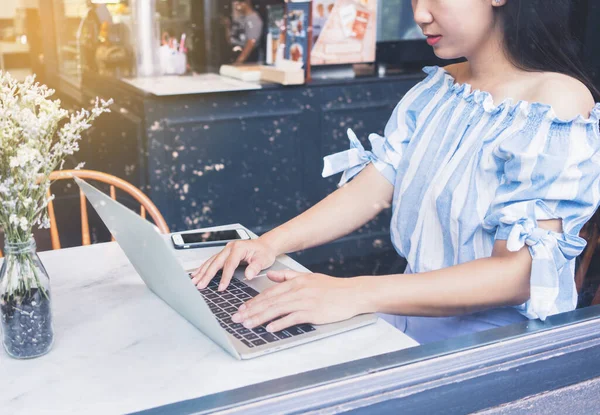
{"type": "Point", "coordinates": [292, 319]}
{"type": "Point", "coordinates": [199, 280]}
{"type": "Point", "coordinates": [285, 275]}
{"type": "Point", "coordinates": [262, 304]}
{"type": "Point", "coordinates": [229, 267]}
{"type": "Point", "coordinates": [207, 264]}
{"type": "Point", "coordinates": [200, 271]}
{"type": "Point", "coordinates": [214, 266]}
{"type": "Point", "coordinates": [254, 267]}
{"type": "Point", "coordinates": [271, 313]}
{"type": "Point", "coordinates": [267, 294]}
{"type": "Point", "coordinates": [196, 271]}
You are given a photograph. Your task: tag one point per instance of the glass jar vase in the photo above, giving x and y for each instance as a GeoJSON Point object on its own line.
{"type": "Point", "coordinates": [25, 306]}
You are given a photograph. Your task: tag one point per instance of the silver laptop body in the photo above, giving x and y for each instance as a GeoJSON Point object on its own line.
{"type": "Point", "coordinates": [155, 262]}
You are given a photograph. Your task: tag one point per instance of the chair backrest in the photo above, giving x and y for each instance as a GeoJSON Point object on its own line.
{"type": "Point", "coordinates": [114, 182]}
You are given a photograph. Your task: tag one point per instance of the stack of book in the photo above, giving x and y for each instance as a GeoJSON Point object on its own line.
{"type": "Point", "coordinates": [281, 74]}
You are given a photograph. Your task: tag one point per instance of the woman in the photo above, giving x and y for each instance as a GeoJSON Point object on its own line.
{"type": "Point", "coordinates": [491, 169]}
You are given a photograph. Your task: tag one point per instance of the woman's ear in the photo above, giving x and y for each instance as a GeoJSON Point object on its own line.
{"type": "Point", "coordinates": [498, 3]}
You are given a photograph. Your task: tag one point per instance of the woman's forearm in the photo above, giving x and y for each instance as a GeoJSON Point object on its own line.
{"type": "Point", "coordinates": [460, 289]}
{"type": "Point", "coordinates": [343, 211]}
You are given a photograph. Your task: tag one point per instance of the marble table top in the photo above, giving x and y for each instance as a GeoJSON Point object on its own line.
{"type": "Point", "coordinates": [119, 348]}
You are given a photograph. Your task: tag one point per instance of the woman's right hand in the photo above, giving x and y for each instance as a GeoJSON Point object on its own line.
{"type": "Point", "coordinates": [254, 252]}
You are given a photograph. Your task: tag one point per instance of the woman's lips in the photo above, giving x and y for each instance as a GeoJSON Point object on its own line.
{"type": "Point", "coordinates": [432, 40]}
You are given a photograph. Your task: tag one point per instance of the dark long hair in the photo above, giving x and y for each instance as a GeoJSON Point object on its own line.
{"type": "Point", "coordinates": [538, 36]}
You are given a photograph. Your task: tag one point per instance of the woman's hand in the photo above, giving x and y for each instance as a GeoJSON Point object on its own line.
{"type": "Point", "coordinates": [303, 298]}
{"type": "Point", "coordinates": [254, 252]}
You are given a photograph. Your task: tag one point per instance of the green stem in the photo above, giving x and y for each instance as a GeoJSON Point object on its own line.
{"type": "Point", "coordinates": [27, 273]}
{"type": "Point", "coordinates": [37, 277]}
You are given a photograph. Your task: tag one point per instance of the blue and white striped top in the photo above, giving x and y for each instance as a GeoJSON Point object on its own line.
{"type": "Point", "coordinates": [467, 172]}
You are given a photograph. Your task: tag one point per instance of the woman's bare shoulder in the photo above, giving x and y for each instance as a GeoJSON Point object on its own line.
{"type": "Point", "coordinates": [568, 96]}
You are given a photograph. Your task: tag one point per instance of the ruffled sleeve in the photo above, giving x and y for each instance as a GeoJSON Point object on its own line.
{"type": "Point", "coordinates": [550, 172]}
{"type": "Point", "coordinates": [352, 161]}
{"type": "Point", "coordinates": [386, 152]}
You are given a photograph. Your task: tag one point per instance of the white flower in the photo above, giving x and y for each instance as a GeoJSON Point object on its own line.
{"type": "Point", "coordinates": [36, 136]}
{"type": "Point", "coordinates": [24, 156]}
{"type": "Point", "coordinates": [9, 205]}
{"type": "Point", "coordinates": [44, 223]}
{"type": "Point", "coordinates": [23, 223]}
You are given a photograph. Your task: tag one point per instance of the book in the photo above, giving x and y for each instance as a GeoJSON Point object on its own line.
{"type": "Point", "coordinates": [298, 32]}
{"type": "Point", "coordinates": [282, 76]}
{"type": "Point", "coordinates": [275, 32]}
{"type": "Point", "coordinates": [248, 73]}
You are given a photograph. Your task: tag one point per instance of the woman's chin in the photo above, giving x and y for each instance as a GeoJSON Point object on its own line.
{"type": "Point", "coordinates": [445, 53]}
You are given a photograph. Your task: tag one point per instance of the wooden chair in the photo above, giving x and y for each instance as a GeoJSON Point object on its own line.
{"type": "Point", "coordinates": [114, 182]}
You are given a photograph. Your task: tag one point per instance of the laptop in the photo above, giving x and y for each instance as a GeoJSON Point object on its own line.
{"type": "Point", "coordinates": [208, 310]}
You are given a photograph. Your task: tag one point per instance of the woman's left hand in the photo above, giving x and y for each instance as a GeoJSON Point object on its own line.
{"type": "Point", "coordinates": [302, 298]}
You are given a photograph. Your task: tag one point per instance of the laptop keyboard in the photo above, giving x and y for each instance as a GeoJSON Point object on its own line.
{"type": "Point", "coordinates": [226, 303]}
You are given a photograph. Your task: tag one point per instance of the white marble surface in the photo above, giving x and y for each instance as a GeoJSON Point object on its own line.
{"type": "Point", "coordinates": [190, 84]}
{"type": "Point", "coordinates": [118, 348]}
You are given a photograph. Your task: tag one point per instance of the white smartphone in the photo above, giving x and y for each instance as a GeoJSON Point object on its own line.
{"type": "Point", "coordinates": [202, 239]}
